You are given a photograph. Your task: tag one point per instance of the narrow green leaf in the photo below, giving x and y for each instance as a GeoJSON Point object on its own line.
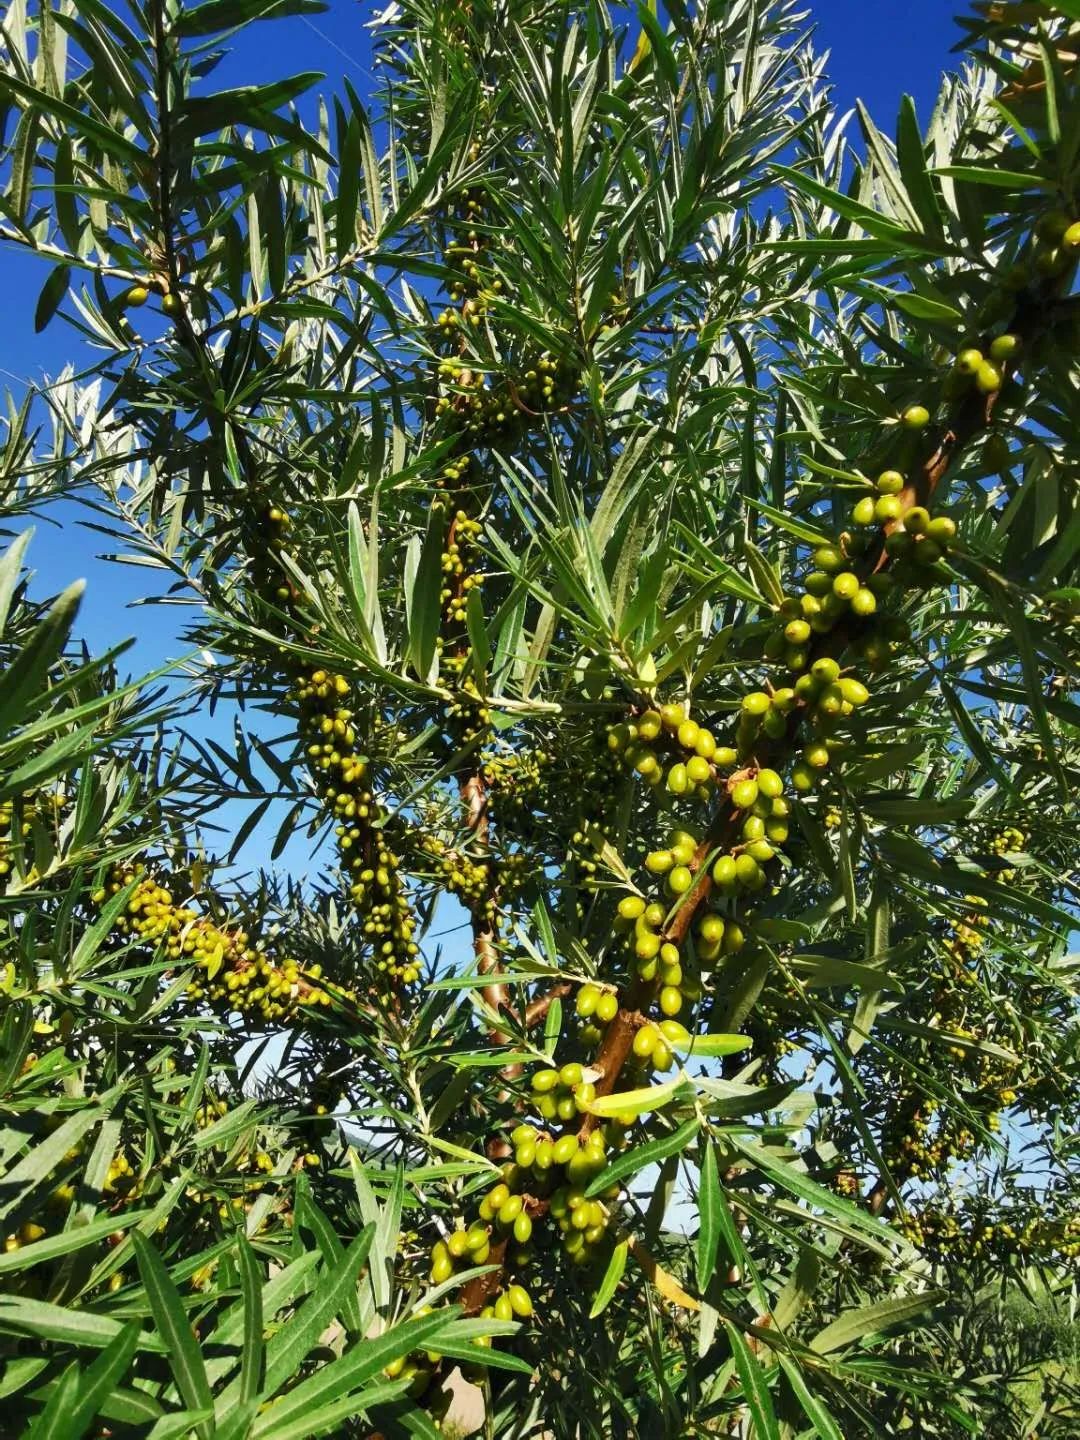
{"type": "Point", "coordinates": [610, 1282]}
{"type": "Point", "coordinates": [170, 1317]}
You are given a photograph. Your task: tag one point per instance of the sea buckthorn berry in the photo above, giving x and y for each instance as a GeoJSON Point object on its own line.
{"type": "Point", "coordinates": [915, 417]}
{"type": "Point", "coordinates": [520, 1303]}
{"type": "Point", "coordinates": [671, 1000]}
{"type": "Point", "coordinates": [678, 781]}
{"type": "Point", "coordinates": [863, 513]}
{"type": "Point", "coordinates": [724, 873]}
{"type": "Point", "coordinates": [797, 632]}
{"type": "Point", "coordinates": [680, 880]}
{"type": "Point", "coordinates": [698, 770]}
{"type": "Point", "coordinates": [744, 793]}
{"type": "Point", "coordinates": [864, 601]}
{"type": "Point", "coordinates": [854, 691]}
{"type": "Point", "coordinates": [770, 784]}
{"type": "Point", "coordinates": [756, 703]}
{"type": "Point", "coordinates": [888, 508]}
{"type": "Point", "coordinates": [588, 997]}
{"type": "Point", "coordinates": [705, 745]}
{"type": "Point", "coordinates": [1005, 347]}
{"type": "Point", "coordinates": [645, 1041]}
{"type": "Point", "coordinates": [571, 1075]}
{"type": "Point", "coordinates": [828, 558]}
{"type": "Point", "coordinates": [631, 906]}
{"type": "Point", "coordinates": [916, 520]}
{"type": "Point", "coordinates": [968, 361]}
{"type": "Point", "coordinates": [825, 670]}
{"type": "Point", "coordinates": [989, 378]}
{"type": "Point", "coordinates": [942, 530]}
{"type": "Point", "coordinates": [846, 584]}
{"type": "Point", "coordinates": [659, 862]}
{"type": "Point", "coordinates": [672, 716]}
{"type": "Point", "coordinates": [688, 733]}
{"type": "Point", "coordinates": [545, 1080]}
{"type": "Point", "coordinates": [890, 482]}
{"type": "Point", "coordinates": [749, 872]}
{"type": "Point", "coordinates": [649, 725]}
{"type": "Point", "coordinates": [607, 1007]}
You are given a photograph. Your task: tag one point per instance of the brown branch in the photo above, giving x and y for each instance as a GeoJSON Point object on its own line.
{"type": "Point", "coordinates": [537, 1009]}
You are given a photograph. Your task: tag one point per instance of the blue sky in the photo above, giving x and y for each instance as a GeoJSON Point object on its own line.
{"type": "Point", "coordinates": [879, 50]}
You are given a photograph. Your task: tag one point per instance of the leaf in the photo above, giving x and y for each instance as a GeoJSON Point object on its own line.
{"type": "Point", "coordinates": [170, 1317]}
{"type": "Point", "coordinates": [666, 1283]}
{"type": "Point", "coordinates": [711, 1046]}
{"type": "Point", "coordinates": [999, 179]}
{"type": "Point", "coordinates": [52, 293]}
{"type": "Point", "coordinates": [610, 1280]}
{"type": "Point", "coordinates": [422, 599]}
{"type": "Point", "coordinates": [823, 1423]}
{"type": "Point", "coordinates": [630, 1161]}
{"type": "Point", "coordinates": [25, 677]}
{"type": "Point", "coordinates": [638, 1102]}
{"type": "Point", "coordinates": [756, 1391]}
{"type": "Point", "coordinates": [710, 1223]}
{"type": "Point", "coordinates": [253, 1352]}
{"type": "Point", "coordinates": [868, 1320]}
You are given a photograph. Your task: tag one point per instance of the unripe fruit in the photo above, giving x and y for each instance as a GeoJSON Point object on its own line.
{"type": "Point", "coordinates": [607, 1007]}
{"type": "Point", "coordinates": [748, 871]}
{"type": "Point", "coordinates": [688, 734]}
{"type": "Point", "coordinates": [802, 777]}
{"type": "Point", "coordinates": [680, 880]}
{"type": "Point", "coordinates": [670, 1000]}
{"type": "Point", "coordinates": [797, 632]}
{"type": "Point", "coordinates": [458, 1243]}
{"type": "Point", "coordinates": [753, 828]}
{"type": "Point", "coordinates": [509, 1210]}
{"type": "Point", "coordinates": [734, 937]}
{"type": "Point", "coordinates": [135, 296]}
{"type": "Point", "coordinates": [705, 745]}
{"type": "Point", "coordinates": [898, 544]}
{"type": "Point", "coordinates": [916, 520]}
{"type": "Point", "coordinates": [819, 582]}
{"type": "Point", "coordinates": [725, 757]}
{"type": "Point", "coordinates": [928, 552]}
{"type": "Point", "coordinates": [645, 1041]}
{"type": "Point", "coordinates": [654, 913]}
{"type": "Point", "coordinates": [649, 726]}
{"type": "Point", "coordinates": [968, 361]}
{"type": "Point", "coordinates": [672, 716]}
{"type": "Point", "coordinates": [525, 1154]}
{"type": "Point", "coordinates": [588, 997]}
{"type": "Point", "coordinates": [662, 1058]}
{"type": "Point", "coordinates": [171, 304]}
{"type": "Point", "coordinates": [711, 929]}
{"type": "Point", "coordinates": [1052, 226]}
{"type": "Point", "coordinates": [915, 417]}
{"type": "Point", "coordinates": [825, 670]}
{"type": "Point", "coordinates": [890, 482]}
{"type": "Point", "coordinates": [989, 378]}
{"type": "Point", "coordinates": [647, 764]}
{"type": "Point", "coordinates": [942, 530]}
{"type": "Point", "coordinates": [863, 513]}
{"type": "Point", "coordinates": [761, 851]}
{"type": "Point", "coordinates": [503, 1309]}
{"type": "Point", "coordinates": [724, 873]}
{"type": "Point", "coordinates": [864, 601]}
{"type": "Point", "coordinates": [846, 584]}
{"type": "Point", "coordinates": [769, 784]}
{"type": "Point", "coordinates": [756, 703]}
{"type": "Point", "coordinates": [698, 770]}
{"type": "Point", "coordinates": [523, 1226]}
{"type": "Point", "coordinates": [1004, 347]}
{"type": "Point", "coordinates": [889, 507]}
{"type": "Point", "coordinates": [545, 1080]}
{"type": "Point", "coordinates": [520, 1302]}
{"type": "Point", "coordinates": [854, 691]}
{"type": "Point", "coordinates": [646, 946]}
{"type": "Point", "coordinates": [565, 1147]}
{"type": "Point", "coordinates": [827, 558]}
{"type": "Point", "coordinates": [816, 756]}
{"type": "Point", "coordinates": [744, 793]}
{"type": "Point", "coordinates": [571, 1075]}
{"type": "Point", "coordinates": [659, 862]}
{"type": "Point", "coordinates": [631, 906]}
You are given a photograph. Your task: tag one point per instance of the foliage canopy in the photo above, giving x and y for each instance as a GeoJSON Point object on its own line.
{"type": "Point", "coordinates": [634, 527]}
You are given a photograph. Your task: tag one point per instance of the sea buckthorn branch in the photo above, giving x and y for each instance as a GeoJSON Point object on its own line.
{"type": "Point", "coordinates": [232, 970]}
{"type": "Point", "coordinates": [897, 543]}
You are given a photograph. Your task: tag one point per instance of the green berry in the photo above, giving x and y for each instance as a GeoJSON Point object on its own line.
{"type": "Point", "coordinates": [968, 361]}
{"type": "Point", "coordinates": [864, 601]}
{"type": "Point", "coordinates": [1005, 347]}
{"type": "Point", "coordinates": [744, 793]}
{"type": "Point", "coordinates": [888, 507]}
{"type": "Point", "coordinates": [863, 513]}
{"type": "Point", "coordinates": [916, 520]}
{"type": "Point", "coordinates": [915, 417]}
{"type": "Point", "coordinates": [989, 378]}
{"type": "Point", "coordinates": [890, 482]}
{"type": "Point", "coordinates": [828, 558]}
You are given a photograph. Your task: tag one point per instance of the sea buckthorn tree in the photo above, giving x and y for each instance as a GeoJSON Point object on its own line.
{"type": "Point", "coordinates": [629, 529]}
